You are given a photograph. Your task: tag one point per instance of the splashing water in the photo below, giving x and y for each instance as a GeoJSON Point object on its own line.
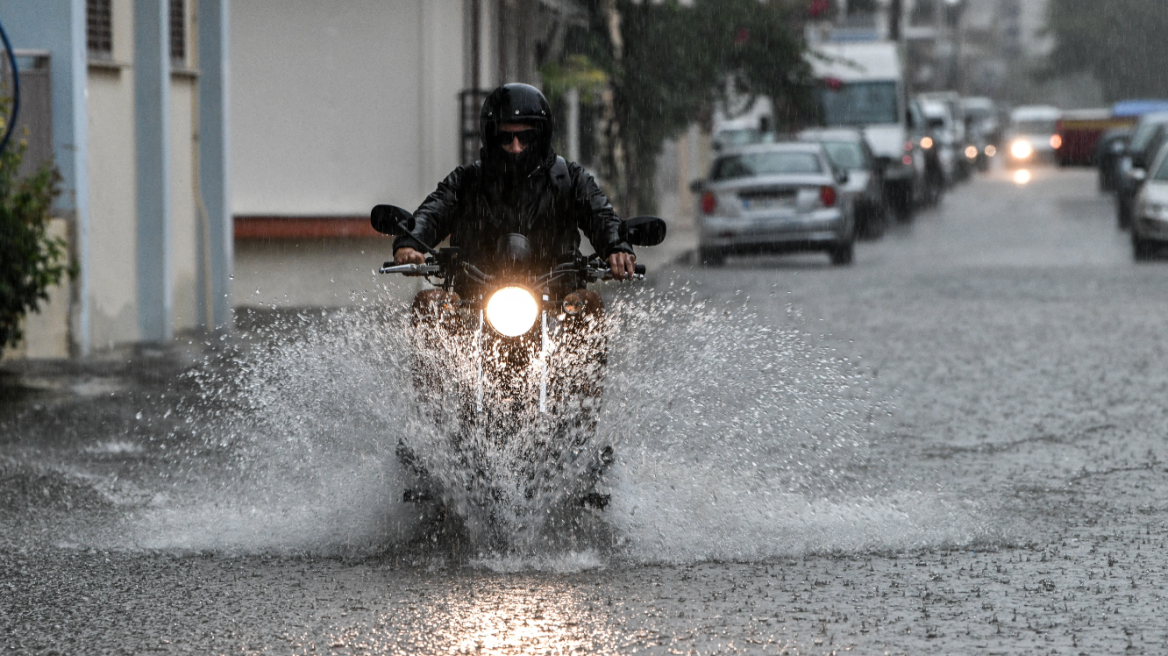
{"type": "Point", "coordinates": [734, 439]}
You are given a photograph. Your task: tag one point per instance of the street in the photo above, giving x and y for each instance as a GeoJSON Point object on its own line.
{"type": "Point", "coordinates": [955, 445]}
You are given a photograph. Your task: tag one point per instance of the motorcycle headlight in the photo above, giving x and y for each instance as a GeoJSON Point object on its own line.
{"type": "Point", "coordinates": [1021, 149]}
{"type": "Point", "coordinates": [512, 311]}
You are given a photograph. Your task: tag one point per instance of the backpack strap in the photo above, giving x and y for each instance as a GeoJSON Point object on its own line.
{"type": "Point", "coordinates": [560, 177]}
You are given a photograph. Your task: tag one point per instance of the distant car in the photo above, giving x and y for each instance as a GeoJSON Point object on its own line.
{"type": "Point", "coordinates": [1032, 137]}
{"type": "Point", "coordinates": [940, 138]}
{"type": "Point", "coordinates": [1149, 229]}
{"type": "Point", "coordinates": [957, 134]}
{"type": "Point", "coordinates": [775, 198]}
{"type": "Point", "coordinates": [984, 131]}
{"type": "Point", "coordinates": [1108, 152]}
{"type": "Point", "coordinates": [1150, 133]}
{"type": "Point", "coordinates": [849, 151]}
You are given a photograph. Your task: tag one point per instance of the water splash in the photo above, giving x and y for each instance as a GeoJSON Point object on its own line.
{"type": "Point", "coordinates": [735, 438]}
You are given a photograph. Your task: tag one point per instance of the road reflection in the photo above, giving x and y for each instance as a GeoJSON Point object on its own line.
{"type": "Point", "coordinates": [511, 616]}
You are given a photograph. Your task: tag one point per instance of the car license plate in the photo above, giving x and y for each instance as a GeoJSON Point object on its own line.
{"type": "Point", "coordinates": [768, 202]}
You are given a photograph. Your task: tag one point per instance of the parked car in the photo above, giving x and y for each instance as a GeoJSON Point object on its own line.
{"type": "Point", "coordinates": [1032, 136]}
{"type": "Point", "coordinates": [1108, 152]}
{"type": "Point", "coordinates": [922, 152]}
{"type": "Point", "coordinates": [956, 133]}
{"type": "Point", "coordinates": [775, 198]}
{"type": "Point", "coordinates": [941, 138]}
{"type": "Point", "coordinates": [849, 151]}
{"type": "Point", "coordinates": [1149, 229]}
{"type": "Point", "coordinates": [1150, 133]}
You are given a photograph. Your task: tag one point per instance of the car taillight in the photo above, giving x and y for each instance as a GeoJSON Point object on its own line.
{"type": "Point", "coordinates": [709, 203]}
{"type": "Point", "coordinates": [827, 196]}
{"type": "Point", "coordinates": [1056, 142]}
{"type": "Point", "coordinates": [908, 146]}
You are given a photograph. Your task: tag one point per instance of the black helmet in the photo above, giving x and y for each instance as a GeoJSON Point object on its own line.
{"type": "Point", "coordinates": [516, 103]}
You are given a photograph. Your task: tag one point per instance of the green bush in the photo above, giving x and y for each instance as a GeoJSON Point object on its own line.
{"type": "Point", "coordinates": [31, 261]}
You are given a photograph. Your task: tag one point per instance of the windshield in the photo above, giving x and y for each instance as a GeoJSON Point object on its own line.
{"type": "Point", "coordinates": [754, 164]}
{"type": "Point", "coordinates": [846, 154]}
{"type": "Point", "coordinates": [859, 103]}
{"type": "Point", "coordinates": [1142, 136]}
{"type": "Point", "coordinates": [738, 137]}
{"type": "Point", "coordinates": [1035, 126]}
{"type": "Point", "coordinates": [1162, 172]}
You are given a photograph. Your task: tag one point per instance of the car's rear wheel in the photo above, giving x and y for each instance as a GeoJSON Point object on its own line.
{"type": "Point", "coordinates": [1122, 213]}
{"type": "Point", "coordinates": [874, 221]}
{"type": "Point", "coordinates": [1141, 248]}
{"type": "Point", "coordinates": [843, 255]}
{"type": "Point", "coordinates": [710, 257]}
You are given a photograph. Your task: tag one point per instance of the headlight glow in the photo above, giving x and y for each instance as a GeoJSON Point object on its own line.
{"type": "Point", "coordinates": [926, 142]}
{"type": "Point", "coordinates": [1021, 149]}
{"type": "Point", "coordinates": [512, 311]}
{"type": "Point", "coordinates": [971, 152]}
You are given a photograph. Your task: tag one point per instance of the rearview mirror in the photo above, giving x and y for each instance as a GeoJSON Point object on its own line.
{"type": "Point", "coordinates": [643, 231]}
{"type": "Point", "coordinates": [391, 220]}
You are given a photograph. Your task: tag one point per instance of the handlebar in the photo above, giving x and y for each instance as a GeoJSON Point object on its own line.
{"type": "Point", "coordinates": [593, 273]}
{"type": "Point", "coordinates": [411, 269]}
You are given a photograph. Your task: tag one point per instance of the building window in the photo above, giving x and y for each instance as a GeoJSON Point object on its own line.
{"type": "Point", "coordinates": [99, 28]}
{"type": "Point", "coordinates": [178, 32]}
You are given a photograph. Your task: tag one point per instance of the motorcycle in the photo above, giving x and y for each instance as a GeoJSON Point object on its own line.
{"type": "Point", "coordinates": [510, 373]}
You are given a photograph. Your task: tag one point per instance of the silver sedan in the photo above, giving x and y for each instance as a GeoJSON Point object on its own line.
{"type": "Point", "coordinates": [1149, 230]}
{"type": "Point", "coordinates": [775, 198]}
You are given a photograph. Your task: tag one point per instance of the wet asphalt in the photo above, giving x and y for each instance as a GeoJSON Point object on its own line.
{"type": "Point", "coordinates": [1014, 361]}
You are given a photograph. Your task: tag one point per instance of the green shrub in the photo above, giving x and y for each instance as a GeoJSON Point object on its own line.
{"type": "Point", "coordinates": [31, 261]}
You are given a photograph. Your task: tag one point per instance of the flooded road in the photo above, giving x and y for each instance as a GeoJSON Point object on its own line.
{"type": "Point", "coordinates": [954, 446]}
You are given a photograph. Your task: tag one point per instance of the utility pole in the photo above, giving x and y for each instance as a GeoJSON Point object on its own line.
{"type": "Point", "coordinates": [895, 9]}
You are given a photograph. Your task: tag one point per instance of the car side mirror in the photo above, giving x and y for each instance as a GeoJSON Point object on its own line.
{"type": "Point", "coordinates": [697, 185]}
{"type": "Point", "coordinates": [391, 220]}
{"type": "Point", "coordinates": [842, 176]}
{"type": "Point", "coordinates": [643, 231]}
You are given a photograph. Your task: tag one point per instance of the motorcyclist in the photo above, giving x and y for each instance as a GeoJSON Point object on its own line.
{"type": "Point", "coordinates": [519, 185]}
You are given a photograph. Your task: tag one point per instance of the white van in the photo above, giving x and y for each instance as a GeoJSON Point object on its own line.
{"type": "Point", "coordinates": [862, 86]}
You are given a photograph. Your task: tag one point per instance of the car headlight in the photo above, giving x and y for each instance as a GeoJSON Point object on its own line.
{"type": "Point", "coordinates": [512, 311]}
{"type": "Point", "coordinates": [1021, 149]}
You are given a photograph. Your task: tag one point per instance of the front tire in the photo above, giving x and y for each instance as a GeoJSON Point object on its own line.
{"type": "Point", "coordinates": [843, 255]}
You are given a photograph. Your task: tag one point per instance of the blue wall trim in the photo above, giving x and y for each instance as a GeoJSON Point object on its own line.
{"type": "Point", "coordinates": [152, 123]}
{"type": "Point", "coordinates": [59, 27]}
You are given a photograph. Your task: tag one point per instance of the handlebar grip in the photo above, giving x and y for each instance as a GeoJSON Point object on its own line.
{"type": "Point", "coordinates": [639, 269]}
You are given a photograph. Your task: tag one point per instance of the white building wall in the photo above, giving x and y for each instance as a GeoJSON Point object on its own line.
{"type": "Point", "coordinates": [337, 106]}
{"type": "Point", "coordinates": [184, 233]}
{"type": "Point", "coordinates": [113, 190]}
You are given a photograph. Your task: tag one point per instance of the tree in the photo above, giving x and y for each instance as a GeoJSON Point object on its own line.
{"type": "Point", "coordinates": [30, 260]}
{"type": "Point", "coordinates": [1120, 42]}
{"type": "Point", "coordinates": [666, 64]}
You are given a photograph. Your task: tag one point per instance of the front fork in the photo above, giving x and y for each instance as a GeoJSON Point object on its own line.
{"type": "Point", "coordinates": [544, 355]}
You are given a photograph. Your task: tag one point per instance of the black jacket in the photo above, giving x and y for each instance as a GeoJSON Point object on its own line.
{"type": "Point", "coordinates": [475, 208]}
